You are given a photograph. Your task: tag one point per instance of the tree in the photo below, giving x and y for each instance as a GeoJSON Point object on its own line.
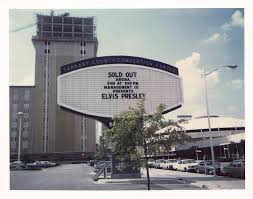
{"type": "Point", "coordinates": [134, 129]}
{"type": "Point", "coordinates": [103, 151]}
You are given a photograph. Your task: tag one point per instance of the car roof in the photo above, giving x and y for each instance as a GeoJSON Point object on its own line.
{"type": "Point", "coordinates": [187, 159]}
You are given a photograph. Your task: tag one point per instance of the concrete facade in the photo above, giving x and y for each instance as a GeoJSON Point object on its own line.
{"type": "Point", "coordinates": [55, 46]}
{"type": "Point", "coordinates": [20, 101]}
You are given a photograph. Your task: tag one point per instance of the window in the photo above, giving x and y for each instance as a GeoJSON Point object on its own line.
{"type": "Point", "coordinates": [81, 44]}
{"type": "Point", "coordinates": [48, 51]}
{"type": "Point", "coordinates": [45, 51]}
{"type": "Point", "coordinates": [81, 52]}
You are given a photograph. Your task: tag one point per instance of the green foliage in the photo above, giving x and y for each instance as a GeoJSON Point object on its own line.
{"type": "Point", "coordinates": [103, 151]}
{"type": "Point", "coordinates": [133, 130]}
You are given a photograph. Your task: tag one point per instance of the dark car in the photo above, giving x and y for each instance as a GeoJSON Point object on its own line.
{"type": "Point", "coordinates": [92, 162]}
{"type": "Point", "coordinates": [41, 164]}
{"type": "Point", "coordinates": [207, 167]}
{"type": "Point", "coordinates": [235, 168]}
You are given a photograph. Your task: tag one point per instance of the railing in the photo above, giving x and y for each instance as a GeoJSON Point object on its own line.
{"type": "Point", "coordinates": [103, 169]}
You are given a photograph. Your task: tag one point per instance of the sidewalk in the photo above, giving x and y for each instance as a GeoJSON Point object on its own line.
{"type": "Point", "coordinates": [158, 176]}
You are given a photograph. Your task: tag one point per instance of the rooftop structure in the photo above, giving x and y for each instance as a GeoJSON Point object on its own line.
{"type": "Point", "coordinates": [65, 27]}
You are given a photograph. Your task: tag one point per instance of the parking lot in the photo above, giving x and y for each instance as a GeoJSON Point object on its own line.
{"type": "Point", "coordinates": [196, 179]}
{"type": "Point", "coordinates": [79, 177]}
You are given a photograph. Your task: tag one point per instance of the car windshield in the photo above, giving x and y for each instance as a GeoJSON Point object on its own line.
{"type": "Point", "coordinates": [191, 161]}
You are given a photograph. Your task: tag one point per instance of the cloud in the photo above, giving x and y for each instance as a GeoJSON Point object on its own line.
{"type": "Point", "coordinates": [193, 85]}
{"type": "Point", "coordinates": [236, 20]}
{"type": "Point", "coordinates": [236, 84]}
{"type": "Point", "coordinates": [213, 38]}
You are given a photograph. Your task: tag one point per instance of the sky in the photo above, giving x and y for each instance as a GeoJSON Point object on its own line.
{"type": "Point", "coordinates": [190, 39]}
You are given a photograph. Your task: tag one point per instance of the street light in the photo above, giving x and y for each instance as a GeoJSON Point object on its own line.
{"type": "Point", "coordinates": [19, 136]}
{"type": "Point", "coordinates": [207, 110]}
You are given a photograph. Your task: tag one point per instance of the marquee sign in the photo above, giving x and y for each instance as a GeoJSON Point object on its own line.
{"type": "Point", "coordinates": [102, 87]}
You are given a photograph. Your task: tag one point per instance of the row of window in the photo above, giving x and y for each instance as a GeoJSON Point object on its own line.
{"type": "Point", "coordinates": [14, 119]}
{"type": "Point", "coordinates": [15, 101]}
{"type": "Point", "coordinates": [48, 43]}
{"type": "Point", "coordinates": [47, 51]}
{"type": "Point", "coordinates": [13, 128]}
{"type": "Point", "coordinates": [26, 120]}
{"type": "Point", "coordinates": [26, 101]}
{"type": "Point", "coordinates": [44, 137]}
{"type": "Point", "coordinates": [26, 110]}
{"type": "Point", "coordinates": [82, 51]}
{"type": "Point", "coordinates": [15, 139]}
{"type": "Point", "coordinates": [23, 129]}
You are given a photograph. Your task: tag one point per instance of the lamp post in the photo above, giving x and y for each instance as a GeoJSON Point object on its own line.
{"type": "Point", "coordinates": [207, 110]}
{"type": "Point", "coordinates": [19, 135]}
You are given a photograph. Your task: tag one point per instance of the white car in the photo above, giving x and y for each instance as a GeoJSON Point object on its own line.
{"type": "Point", "coordinates": [157, 163]}
{"type": "Point", "coordinates": [186, 165]}
{"type": "Point", "coordinates": [168, 164]}
{"type": "Point", "coordinates": [15, 164]}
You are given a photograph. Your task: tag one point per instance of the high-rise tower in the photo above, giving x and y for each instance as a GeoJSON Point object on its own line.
{"type": "Point", "coordinates": [60, 40]}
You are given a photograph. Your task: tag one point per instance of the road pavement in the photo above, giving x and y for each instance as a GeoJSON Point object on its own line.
{"type": "Point", "coordinates": [79, 177]}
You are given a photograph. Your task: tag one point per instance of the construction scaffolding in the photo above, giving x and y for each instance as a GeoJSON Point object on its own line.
{"type": "Point", "coordinates": [65, 27]}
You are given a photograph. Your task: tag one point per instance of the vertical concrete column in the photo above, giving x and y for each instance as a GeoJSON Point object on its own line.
{"type": "Point", "coordinates": [62, 28]}
{"type": "Point", "coordinates": [73, 27]}
{"type": "Point", "coordinates": [46, 103]}
{"type": "Point", "coordinates": [52, 26]}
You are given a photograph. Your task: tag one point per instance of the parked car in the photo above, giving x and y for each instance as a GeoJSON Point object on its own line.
{"type": "Point", "coordinates": [186, 165]}
{"type": "Point", "coordinates": [151, 163]}
{"type": "Point", "coordinates": [14, 164]}
{"type": "Point", "coordinates": [168, 164]}
{"type": "Point", "coordinates": [92, 162]}
{"type": "Point", "coordinates": [206, 166]}
{"type": "Point", "coordinates": [235, 168]}
{"type": "Point", "coordinates": [99, 165]}
{"type": "Point", "coordinates": [42, 164]}
{"type": "Point", "coordinates": [157, 163]}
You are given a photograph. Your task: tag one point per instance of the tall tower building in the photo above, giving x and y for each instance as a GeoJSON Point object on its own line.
{"type": "Point", "coordinates": [60, 40]}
